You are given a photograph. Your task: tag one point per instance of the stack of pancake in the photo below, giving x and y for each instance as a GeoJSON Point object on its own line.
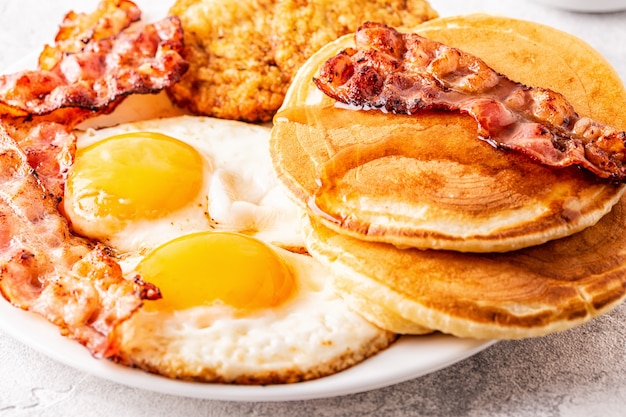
{"type": "Point", "coordinates": [426, 228]}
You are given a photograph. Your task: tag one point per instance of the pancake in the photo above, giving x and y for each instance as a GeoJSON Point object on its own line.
{"type": "Point", "coordinates": [526, 293]}
{"type": "Point", "coordinates": [425, 180]}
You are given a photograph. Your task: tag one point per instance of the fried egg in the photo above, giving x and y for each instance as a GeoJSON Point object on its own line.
{"type": "Point", "coordinates": [192, 205]}
{"type": "Point", "coordinates": [137, 185]}
{"type": "Point", "coordinates": [237, 310]}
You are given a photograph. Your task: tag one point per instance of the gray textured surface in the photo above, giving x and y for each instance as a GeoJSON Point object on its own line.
{"type": "Point", "coordinates": [581, 372]}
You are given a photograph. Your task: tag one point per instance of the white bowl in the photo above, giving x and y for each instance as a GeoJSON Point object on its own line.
{"type": "Point", "coordinates": [595, 6]}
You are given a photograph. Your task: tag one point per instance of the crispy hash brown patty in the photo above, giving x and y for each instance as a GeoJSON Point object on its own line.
{"type": "Point", "coordinates": [301, 27]}
{"type": "Point", "coordinates": [244, 54]}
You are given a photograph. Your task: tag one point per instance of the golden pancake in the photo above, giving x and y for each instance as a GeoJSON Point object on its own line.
{"type": "Point", "coordinates": [525, 293]}
{"type": "Point", "coordinates": [426, 180]}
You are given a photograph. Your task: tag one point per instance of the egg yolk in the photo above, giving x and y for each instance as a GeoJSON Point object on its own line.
{"type": "Point", "coordinates": [139, 175]}
{"type": "Point", "coordinates": [207, 267]}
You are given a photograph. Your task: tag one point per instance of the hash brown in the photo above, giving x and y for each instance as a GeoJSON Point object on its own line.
{"type": "Point", "coordinates": [301, 27]}
{"type": "Point", "coordinates": [232, 73]}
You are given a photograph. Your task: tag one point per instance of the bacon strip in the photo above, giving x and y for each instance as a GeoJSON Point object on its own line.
{"type": "Point", "coordinates": [47, 270]}
{"type": "Point", "coordinates": [40, 108]}
{"type": "Point", "coordinates": [406, 73]}
{"type": "Point", "coordinates": [136, 61]}
{"type": "Point", "coordinates": [78, 29]}
{"type": "Point", "coordinates": [72, 282]}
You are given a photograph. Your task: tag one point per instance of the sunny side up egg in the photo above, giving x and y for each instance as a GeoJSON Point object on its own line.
{"type": "Point", "coordinates": [137, 185]}
{"type": "Point", "coordinates": [192, 205]}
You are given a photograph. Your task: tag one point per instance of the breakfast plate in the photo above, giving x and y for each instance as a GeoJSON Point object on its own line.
{"type": "Point", "coordinates": [409, 358]}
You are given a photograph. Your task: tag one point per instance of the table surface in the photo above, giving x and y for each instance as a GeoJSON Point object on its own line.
{"type": "Point", "coordinates": [580, 372]}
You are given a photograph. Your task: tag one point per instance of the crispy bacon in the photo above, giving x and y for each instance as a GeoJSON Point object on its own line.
{"type": "Point", "coordinates": [47, 270]}
{"type": "Point", "coordinates": [136, 61]}
{"type": "Point", "coordinates": [40, 108]}
{"type": "Point", "coordinates": [406, 73]}
{"type": "Point", "coordinates": [79, 29]}
{"type": "Point", "coordinates": [49, 148]}
{"type": "Point", "coordinates": [69, 280]}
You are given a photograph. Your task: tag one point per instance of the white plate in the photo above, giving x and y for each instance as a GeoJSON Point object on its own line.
{"type": "Point", "coordinates": [408, 358]}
